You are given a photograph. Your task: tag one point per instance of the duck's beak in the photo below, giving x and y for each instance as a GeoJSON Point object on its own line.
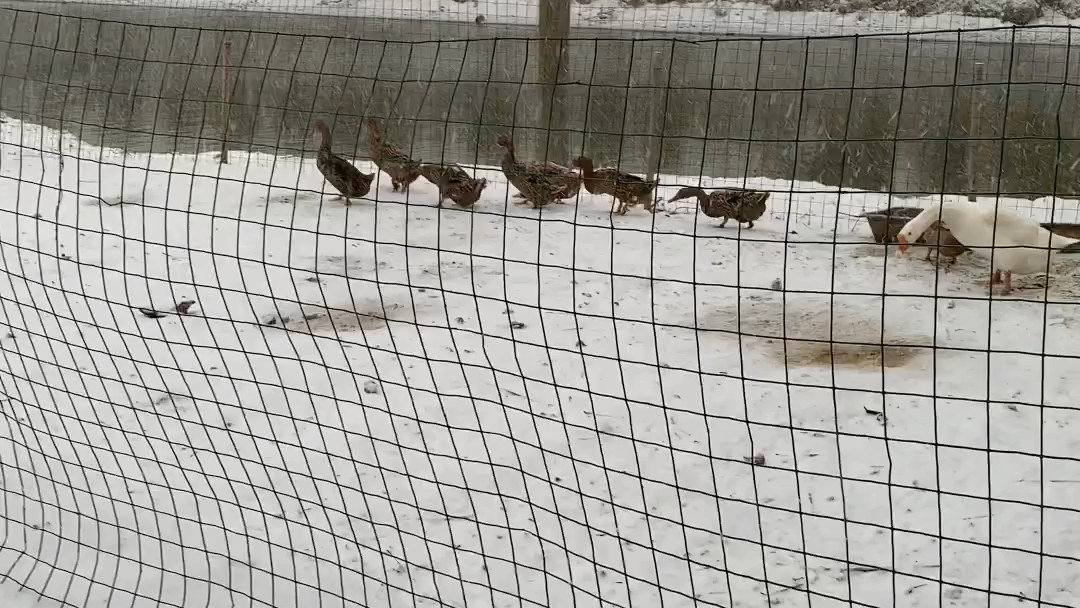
{"type": "Point", "coordinates": [903, 243]}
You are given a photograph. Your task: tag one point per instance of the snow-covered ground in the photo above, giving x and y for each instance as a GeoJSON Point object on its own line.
{"type": "Point", "coordinates": [389, 399]}
{"type": "Point", "coordinates": [710, 17]}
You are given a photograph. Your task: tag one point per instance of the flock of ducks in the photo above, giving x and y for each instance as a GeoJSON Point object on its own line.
{"type": "Point", "coordinates": [951, 226]}
{"type": "Point", "coordinates": [538, 183]}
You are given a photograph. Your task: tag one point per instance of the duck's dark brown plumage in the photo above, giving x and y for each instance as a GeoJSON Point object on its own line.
{"type": "Point", "coordinates": [402, 169]}
{"type": "Point", "coordinates": [628, 190]}
{"type": "Point", "coordinates": [342, 175]}
{"type": "Point", "coordinates": [741, 205]}
{"type": "Point", "coordinates": [454, 184]}
{"type": "Point", "coordinates": [539, 183]}
{"type": "Point", "coordinates": [942, 242]}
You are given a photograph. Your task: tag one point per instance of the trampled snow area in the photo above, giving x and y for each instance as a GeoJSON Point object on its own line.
{"type": "Point", "coordinates": [847, 17]}
{"type": "Point", "coordinates": [592, 452]}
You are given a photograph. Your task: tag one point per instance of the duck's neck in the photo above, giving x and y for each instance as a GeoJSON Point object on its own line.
{"type": "Point", "coordinates": [322, 140]}
{"type": "Point", "coordinates": [324, 151]}
{"type": "Point", "coordinates": [922, 222]}
{"type": "Point", "coordinates": [509, 160]}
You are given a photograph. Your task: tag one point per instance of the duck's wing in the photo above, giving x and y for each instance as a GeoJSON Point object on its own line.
{"type": "Point", "coordinates": [626, 178]}
{"type": "Point", "coordinates": [344, 176]}
{"type": "Point", "coordinates": [388, 152]}
{"type": "Point", "coordinates": [457, 174]}
{"type": "Point", "coordinates": [551, 168]}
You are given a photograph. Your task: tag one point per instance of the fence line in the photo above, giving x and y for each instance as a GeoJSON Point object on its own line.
{"type": "Point", "coordinates": [158, 84]}
{"type": "Point", "coordinates": [433, 20]}
{"type": "Point", "coordinates": [220, 385]}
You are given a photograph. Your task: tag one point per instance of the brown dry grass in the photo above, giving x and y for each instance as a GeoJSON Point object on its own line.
{"type": "Point", "coordinates": [807, 333]}
{"type": "Point", "coordinates": [364, 315]}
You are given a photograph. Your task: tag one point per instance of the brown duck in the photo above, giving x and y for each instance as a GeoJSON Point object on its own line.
{"type": "Point", "coordinates": [402, 170]}
{"type": "Point", "coordinates": [741, 205]}
{"type": "Point", "coordinates": [539, 183]}
{"type": "Point", "coordinates": [454, 184]}
{"type": "Point", "coordinates": [628, 190]}
{"type": "Point", "coordinates": [942, 242]}
{"type": "Point", "coordinates": [342, 175]}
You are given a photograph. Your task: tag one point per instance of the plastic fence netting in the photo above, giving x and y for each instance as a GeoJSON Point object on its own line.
{"type": "Point", "coordinates": [223, 384]}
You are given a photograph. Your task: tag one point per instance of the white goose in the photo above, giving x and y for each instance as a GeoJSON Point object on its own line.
{"type": "Point", "coordinates": [1019, 243]}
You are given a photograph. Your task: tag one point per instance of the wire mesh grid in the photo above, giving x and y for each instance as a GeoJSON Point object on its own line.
{"type": "Point", "coordinates": [223, 385]}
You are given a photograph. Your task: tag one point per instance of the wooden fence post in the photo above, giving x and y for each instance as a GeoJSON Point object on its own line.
{"type": "Point", "coordinates": [226, 97]}
{"type": "Point", "coordinates": [554, 29]}
{"type": "Point", "coordinates": [657, 119]}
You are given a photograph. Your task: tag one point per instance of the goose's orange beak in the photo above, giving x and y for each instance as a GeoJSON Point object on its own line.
{"type": "Point", "coordinates": [903, 243]}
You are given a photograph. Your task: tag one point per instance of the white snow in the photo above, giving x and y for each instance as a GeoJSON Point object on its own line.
{"type": "Point", "coordinates": [595, 452]}
{"type": "Point", "coordinates": [737, 18]}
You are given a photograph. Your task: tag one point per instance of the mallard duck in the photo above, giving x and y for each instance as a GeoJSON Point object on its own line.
{"type": "Point", "coordinates": [737, 204]}
{"type": "Point", "coordinates": [342, 175]}
{"type": "Point", "coordinates": [628, 190]}
{"type": "Point", "coordinates": [454, 184]}
{"type": "Point", "coordinates": [402, 170]}
{"type": "Point", "coordinates": [943, 243]}
{"type": "Point", "coordinates": [538, 183]}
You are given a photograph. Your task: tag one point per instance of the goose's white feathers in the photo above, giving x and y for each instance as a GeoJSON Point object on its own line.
{"type": "Point", "coordinates": [1019, 243]}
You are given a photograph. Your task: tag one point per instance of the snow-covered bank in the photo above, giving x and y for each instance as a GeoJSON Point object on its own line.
{"type": "Point", "coordinates": [387, 402]}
